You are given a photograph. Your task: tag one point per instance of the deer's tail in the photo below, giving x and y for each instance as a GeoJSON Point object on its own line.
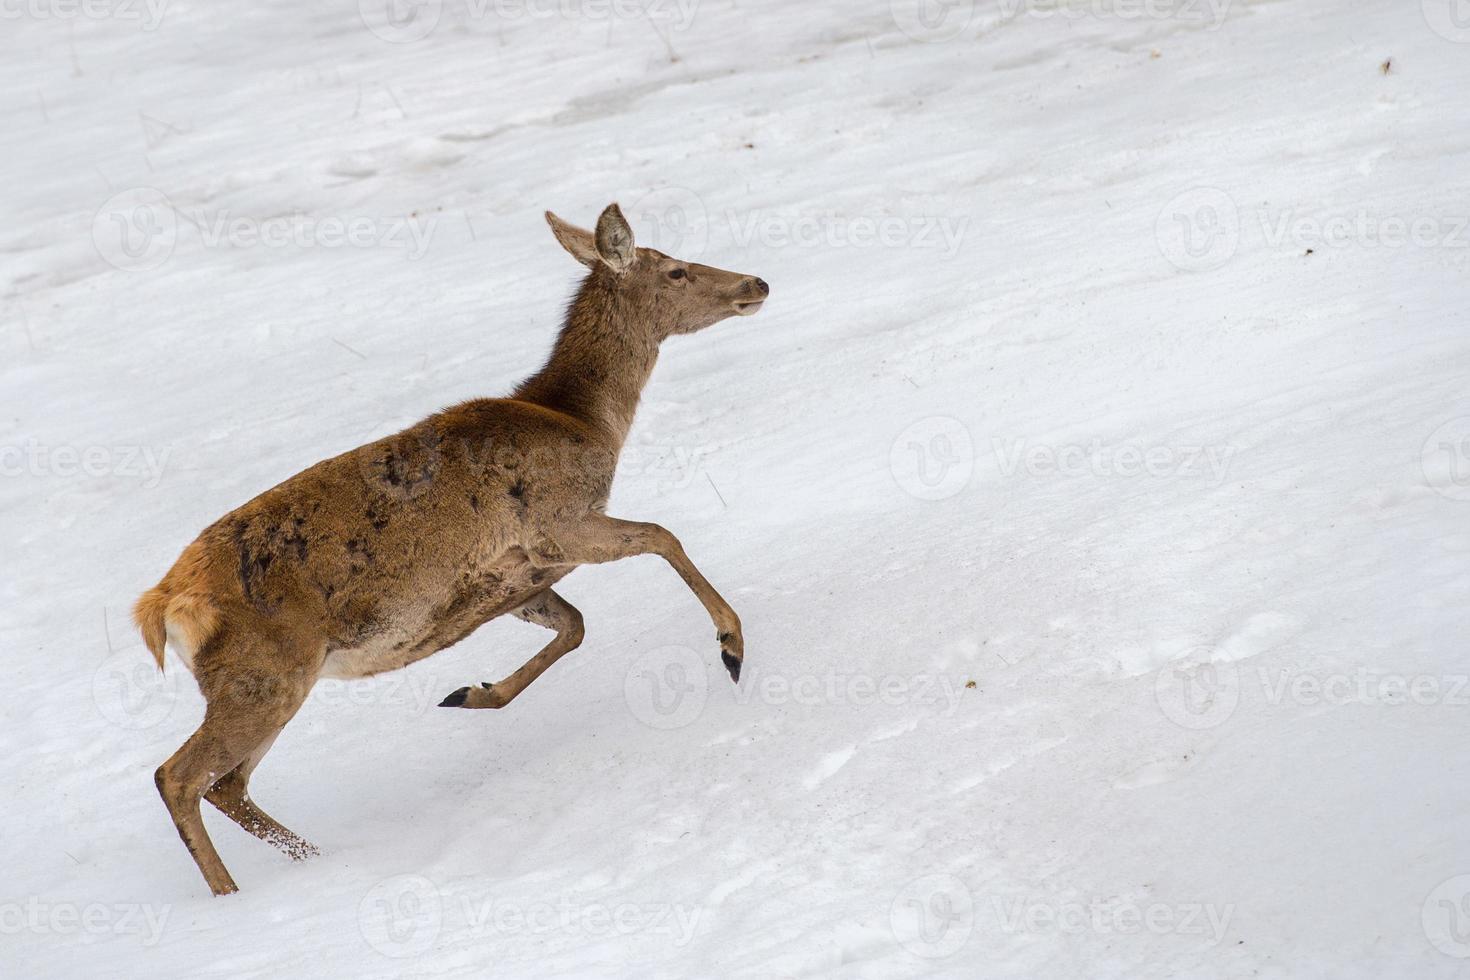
{"type": "Point", "coordinates": [191, 618]}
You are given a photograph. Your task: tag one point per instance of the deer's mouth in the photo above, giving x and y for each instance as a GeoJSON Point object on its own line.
{"type": "Point", "coordinates": [745, 307]}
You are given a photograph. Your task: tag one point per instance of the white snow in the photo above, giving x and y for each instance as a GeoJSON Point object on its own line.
{"type": "Point", "coordinates": [1050, 397]}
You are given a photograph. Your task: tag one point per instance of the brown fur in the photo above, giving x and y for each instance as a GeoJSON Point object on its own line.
{"type": "Point", "coordinates": [390, 552]}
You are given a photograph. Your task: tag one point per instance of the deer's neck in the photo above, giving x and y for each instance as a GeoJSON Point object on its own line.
{"type": "Point", "coordinates": [600, 363]}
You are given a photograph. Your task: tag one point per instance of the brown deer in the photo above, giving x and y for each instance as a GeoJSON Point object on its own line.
{"type": "Point", "coordinates": [381, 556]}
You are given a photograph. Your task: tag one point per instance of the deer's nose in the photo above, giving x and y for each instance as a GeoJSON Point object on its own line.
{"type": "Point", "coordinates": [760, 286]}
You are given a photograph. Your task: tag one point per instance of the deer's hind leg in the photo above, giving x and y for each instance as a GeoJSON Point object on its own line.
{"type": "Point", "coordinates": [252, 688]}
{"type": "Point", "coordinates": [230, 795]}
{"type": "Point", "coordinates": [549, 610]}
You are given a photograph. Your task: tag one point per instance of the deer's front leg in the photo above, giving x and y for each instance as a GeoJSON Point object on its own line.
{"type": "Point", "coordinates": [602, 539]}
{"type": "Point", "coordinates": [549, 610]}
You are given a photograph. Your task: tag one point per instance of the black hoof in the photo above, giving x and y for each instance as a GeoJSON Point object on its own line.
{"type": "Point", "coordinates": [455, 700]}
{"type": "Point", "coordinates": [732, 665]}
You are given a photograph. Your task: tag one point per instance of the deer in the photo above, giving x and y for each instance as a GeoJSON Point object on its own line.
{"type": "Point", "coordinates": [379, 557]}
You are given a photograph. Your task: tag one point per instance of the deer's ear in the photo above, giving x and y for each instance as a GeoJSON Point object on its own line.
{"type": "Point", "coordinates": [578, 241]}
{"type": "Point", "coordinates": [615, 239]}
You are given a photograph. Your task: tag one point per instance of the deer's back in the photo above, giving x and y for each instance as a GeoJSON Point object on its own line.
{"type": "Point", "coordinates": [397, 549]}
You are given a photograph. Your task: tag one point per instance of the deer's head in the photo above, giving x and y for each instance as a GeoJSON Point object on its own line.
{"type": "Point", "coordinates": [669, 295]}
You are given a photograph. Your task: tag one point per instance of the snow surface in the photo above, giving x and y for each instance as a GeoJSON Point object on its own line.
{"type": "Point", "coordinates": [1093, 489]}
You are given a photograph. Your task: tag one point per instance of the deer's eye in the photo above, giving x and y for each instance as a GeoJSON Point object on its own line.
{"type": "Point", "coordinates": [677, 273]}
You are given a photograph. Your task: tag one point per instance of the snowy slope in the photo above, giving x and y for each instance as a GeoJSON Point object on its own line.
{"type": "Point", "coordinates": [1094, 488]}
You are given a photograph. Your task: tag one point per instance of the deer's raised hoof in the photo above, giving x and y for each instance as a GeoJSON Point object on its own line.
{"type": "Point", "coordinates": [732, 665]}
{"type": "Point", "coordinates": [484, 696]}
{"type": "Point", "coordinates": [730, 645]}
